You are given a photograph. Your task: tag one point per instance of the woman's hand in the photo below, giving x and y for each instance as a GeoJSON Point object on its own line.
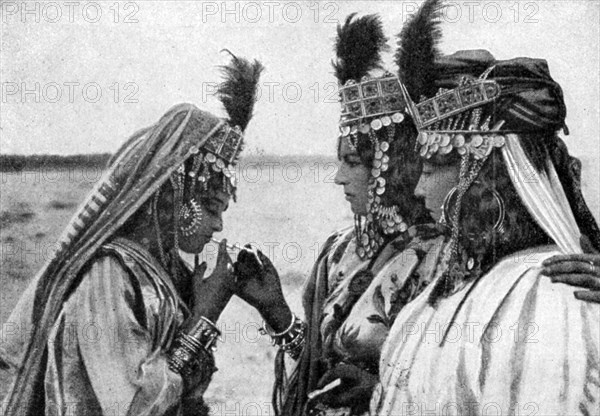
{"type": "Point", "coordinates": [581, 270]}
{"type": "Point", "coordinates": [354, 391]}
{"type": "Point", "coordinates": [212, 294]}
{"type": "Point", "coordinates": [258, 284]}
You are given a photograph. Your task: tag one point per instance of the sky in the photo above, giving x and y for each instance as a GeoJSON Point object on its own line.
{"type": "Point", "coordinates": [79, 77]}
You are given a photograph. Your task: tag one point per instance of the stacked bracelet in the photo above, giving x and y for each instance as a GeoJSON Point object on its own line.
{"type": "Point", "coordinates": [291, 340]}
{"type": "Point", "coordinates": [192, 351]}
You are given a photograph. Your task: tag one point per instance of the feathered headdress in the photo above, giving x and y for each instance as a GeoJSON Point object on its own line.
{"type": "Point", "coordinates": [238, 94]}
{"type": "Point", "coordinates": [358, 47]}
{"type": "Point", "coordinates": [418, 49]}
{"type": "Point", "coordinates": [238, 91]}
{"type": "Point", "coordinates": [370, 102]}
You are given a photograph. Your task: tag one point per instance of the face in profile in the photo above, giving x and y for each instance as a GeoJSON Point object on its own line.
{"type": "Point", "coordinates": [435, 183]}
{"type": "Point", "coordinates": [211, 210]}
{"type": "Point", "coordinates": [353, 175]}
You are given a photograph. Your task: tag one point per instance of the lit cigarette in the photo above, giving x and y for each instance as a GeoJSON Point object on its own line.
{"type": "Point", "coordinates": [230, 247]}
{"type": "Point", "coordinates": [325, 389]}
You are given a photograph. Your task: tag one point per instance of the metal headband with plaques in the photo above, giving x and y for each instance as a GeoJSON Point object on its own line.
{"type": "Point", "coordinates": [455, 101]}
{"type": "Point", "coordinates": [437, 120]}
{"type": "Point", "coordinates": [225, 143]}
{"type": "Point", "coordinates": [379, 100]}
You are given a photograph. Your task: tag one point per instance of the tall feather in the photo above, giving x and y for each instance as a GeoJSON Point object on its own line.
{"type": "Point", "coordinates": [418, 49]}
{"type": "Point", "coordinates": [358, 47]}
{"type": "Point", "coordinates": [238, 91]}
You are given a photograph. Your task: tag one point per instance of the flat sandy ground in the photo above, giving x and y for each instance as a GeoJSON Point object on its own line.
{"type": "Point", "coordinates": [288, 211]}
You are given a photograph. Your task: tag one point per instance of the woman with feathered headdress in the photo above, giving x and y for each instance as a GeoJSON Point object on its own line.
{"type": "Point", "coordinates": [116, 323]}
{"type": "Point", "coordinates": [354, 291]}
{"type": "Point", "coordinates": [491, 333]}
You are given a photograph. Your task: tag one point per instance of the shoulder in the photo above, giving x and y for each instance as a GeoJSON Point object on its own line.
{"type": "Point", "coordinates": [515, 290]}
{"type": "Point", "coordinates": [336, 243]}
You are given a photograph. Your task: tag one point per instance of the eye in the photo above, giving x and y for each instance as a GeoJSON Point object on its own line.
{"type": "Point", "coordinates": [352, 161]}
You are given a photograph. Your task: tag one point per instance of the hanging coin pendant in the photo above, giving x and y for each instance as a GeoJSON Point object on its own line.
{"type": "Point", "coordinates": [458, 141]}
{"type": "Point", "coordinates": [445, 141]}
{"type": "Point", "coordinates": [378, 154]}
{"type": "Point", "coordinates": [476, 140]}
{"type": "Point", "coordinates": [385, 146]}
{"type": "Point", "coordinates": [364, 239]}
{"type": "Point", "coordinates": [398, 118]}
{"type": "Point", "coordinates": [376, 124]}
{"type": "Point", "coordinates": [470, 263]}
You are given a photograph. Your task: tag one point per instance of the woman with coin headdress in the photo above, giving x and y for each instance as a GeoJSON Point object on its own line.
{"type": "Point", "coordinates": [353, 294]}
{"type": "Point", "coordinates": [491, 333]}
{"type": "Point", "coordinates": [117, 322]}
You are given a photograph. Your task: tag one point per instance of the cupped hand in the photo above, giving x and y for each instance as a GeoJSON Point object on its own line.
{"type": "Point", "coordinates": [212, 294]}
{"type": "Point", "coordinates": [258, 284]}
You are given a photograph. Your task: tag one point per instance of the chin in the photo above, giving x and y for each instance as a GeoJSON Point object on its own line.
{"type": "Point", "coordinates": [193, 248]}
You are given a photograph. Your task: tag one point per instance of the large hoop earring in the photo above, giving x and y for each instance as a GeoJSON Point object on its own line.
{"type": "Point", "coordinates": [190, 217]}
{"type": "Point", "coordinates": [446, 218]}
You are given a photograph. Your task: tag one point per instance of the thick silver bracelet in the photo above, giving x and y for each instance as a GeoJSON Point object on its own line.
{"type": "Point", "coordinates": [192, 351]}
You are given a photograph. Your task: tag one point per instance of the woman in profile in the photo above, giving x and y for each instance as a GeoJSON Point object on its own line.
{"type": "Point", "coordinates": [491, 333]}
{"type": "Point", "coordinates": [353, 294]}
{"type": "Point", "coordinates": [118, 323]}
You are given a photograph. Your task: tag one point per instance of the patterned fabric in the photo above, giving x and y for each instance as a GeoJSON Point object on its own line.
{"type": "Point", "coordinates": [105, 352]}
{"type": "Point", "coordinates": [485, 349]}
{"type": "Point", "coordinates": [350, 305]}
{"type": "Point", "coordinates": [141, 167]}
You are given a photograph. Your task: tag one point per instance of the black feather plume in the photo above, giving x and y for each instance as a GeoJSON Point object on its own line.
{"type": "Point", "coordinates": [238, 91]}
{"type": "Point", "coordinates": [418, 49]}
{"type": "Point", "coordinates": [358, 47]}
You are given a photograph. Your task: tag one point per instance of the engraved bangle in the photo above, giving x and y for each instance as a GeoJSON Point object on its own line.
{"type": "Point", "coordinates": [268, 330]}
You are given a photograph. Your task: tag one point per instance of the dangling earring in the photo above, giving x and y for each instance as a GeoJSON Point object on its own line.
{"type": "Point", "coordinates": [390, 220]}
{"type": "Point", "coordinates": [190, 216]}
{"type": "Point", "coordinates": [446, 218]}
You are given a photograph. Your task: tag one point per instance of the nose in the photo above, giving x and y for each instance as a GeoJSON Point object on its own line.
{"type": "Point", "coordinates": [217, 224]}
{"type": "Point", "coordinates": [420, 188]}
{"type": "Point", "coordinates": [340, 177]}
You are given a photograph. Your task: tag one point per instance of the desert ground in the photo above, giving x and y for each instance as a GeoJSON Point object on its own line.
{"type": "Point", "coordinates": [287, 210]}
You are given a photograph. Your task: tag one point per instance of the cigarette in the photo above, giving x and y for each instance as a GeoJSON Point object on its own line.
{"type": "Point", "coordinates": [230, 247]}
{"type": "Point", "coordinates": [325, 389]}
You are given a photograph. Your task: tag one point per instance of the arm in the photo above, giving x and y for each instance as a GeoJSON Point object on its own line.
{"type": "Point", "coordinates": [124, 364]}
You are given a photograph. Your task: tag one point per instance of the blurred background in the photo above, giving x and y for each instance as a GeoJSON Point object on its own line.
{"type": "Point", "coordinates": [79, 77]}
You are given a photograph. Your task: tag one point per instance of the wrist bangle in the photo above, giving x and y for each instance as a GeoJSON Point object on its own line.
{"type": "Point", "coordinates": [291, 340]}
{"type": "Point", "coordinates": [191, 352]}
{"type": "Point", "coordinates": [268, 330]}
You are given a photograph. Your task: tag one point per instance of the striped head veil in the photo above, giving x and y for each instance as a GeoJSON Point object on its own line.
{"type": "Point", "coordinates": [136, 172]}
